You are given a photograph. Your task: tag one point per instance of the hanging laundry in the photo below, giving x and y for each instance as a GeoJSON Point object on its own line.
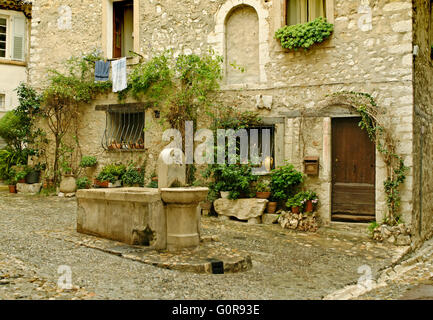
{"type": "Point", "coordinates": [119, 74]}
{"type": "Point", "coordinates": [102, 70]}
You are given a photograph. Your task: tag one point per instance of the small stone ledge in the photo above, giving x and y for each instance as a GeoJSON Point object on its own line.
{"type": "Point", "coordinates": [29, 188]}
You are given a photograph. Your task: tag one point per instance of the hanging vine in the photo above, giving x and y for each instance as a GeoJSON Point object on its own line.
{"type": "Point", "coordinates": [366, 106]}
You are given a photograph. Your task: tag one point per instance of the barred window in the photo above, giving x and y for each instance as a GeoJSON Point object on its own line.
{"type": "Point", "coordinates": [124, 131]}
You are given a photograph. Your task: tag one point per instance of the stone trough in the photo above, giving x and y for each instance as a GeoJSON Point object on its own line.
{"type": "Point", "coordinates": [163, 219]}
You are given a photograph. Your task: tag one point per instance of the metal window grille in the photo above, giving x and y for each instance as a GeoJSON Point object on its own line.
{"type": "Point", "coordinates": [124, 131]}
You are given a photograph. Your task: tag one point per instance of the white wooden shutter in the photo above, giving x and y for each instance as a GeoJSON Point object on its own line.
{"type": "Point", "coordinates": [19, 35]}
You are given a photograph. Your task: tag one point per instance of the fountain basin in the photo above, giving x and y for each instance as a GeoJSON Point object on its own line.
{"type": "Point", "coordinates": [183, 216]}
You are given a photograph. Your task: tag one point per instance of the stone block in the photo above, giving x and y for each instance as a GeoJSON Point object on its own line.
{"type": "Point", "coordinates": [29, 188]}
{"type": "Point", "coordinates": [269, 218]}
{"type": "Point", "coordinates": [242, 209]}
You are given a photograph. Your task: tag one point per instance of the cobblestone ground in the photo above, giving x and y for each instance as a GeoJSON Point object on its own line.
{"type": "Point", "coordinates": [412, 282]}
{"type": "Point", "coordinates": [286, 264]}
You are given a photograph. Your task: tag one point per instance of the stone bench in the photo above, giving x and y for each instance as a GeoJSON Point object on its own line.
{"type": "Point", "coordinates": [242, 209]}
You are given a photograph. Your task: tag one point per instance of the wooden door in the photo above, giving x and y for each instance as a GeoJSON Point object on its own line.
{"type": "Point", "coordinates": [353, 172]}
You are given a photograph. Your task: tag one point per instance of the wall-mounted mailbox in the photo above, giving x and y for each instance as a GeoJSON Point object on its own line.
{"type": "Point", "coordinates": [311, 166]}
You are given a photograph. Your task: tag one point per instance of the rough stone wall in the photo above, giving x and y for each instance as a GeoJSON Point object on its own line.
{"type": "Point", "coordinates": [423, 116]}
{"type": "Point", "coordinates": [369, 57]}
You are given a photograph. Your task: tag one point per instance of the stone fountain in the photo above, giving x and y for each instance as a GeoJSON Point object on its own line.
{"type": "Point", "coordinates": [163, 218]}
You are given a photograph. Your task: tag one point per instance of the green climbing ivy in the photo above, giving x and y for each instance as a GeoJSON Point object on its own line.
{"type": "Point", "coordinates": [385, 144]}
{"type": "Point", "coordinates": [304, 35]}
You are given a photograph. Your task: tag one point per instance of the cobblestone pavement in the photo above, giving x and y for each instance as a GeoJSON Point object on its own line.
{"type": "Point", "coordinates": [410, 280]}
{"type": "Point", "coordinates": [286, 264]}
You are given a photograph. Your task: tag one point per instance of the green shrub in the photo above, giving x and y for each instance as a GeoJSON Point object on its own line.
{"type": "Point", "coordinates": [304, 35]}
{"type": "Point", "coordinates": [263, 186]}
{"type": "Point", "coordinates": [284, 181]}
{"type": "Point", "coordinates": [83, 183]}
{"type": "Point", "coordinates": [112, 173]}
{"type": "Point", "coordinates": [235, 178]}
{"type": "Point", "coordinates": [88, 161]}
{"type": "Point", "coordinates": [300, 199]}
{"type": "Point", "coordinates": [11, 129]}
{"type": "Point", "coordinates": [133, 176]}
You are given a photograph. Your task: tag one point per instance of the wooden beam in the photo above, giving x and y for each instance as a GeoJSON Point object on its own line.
{"type": "Point", "coordinates": [123, 107]}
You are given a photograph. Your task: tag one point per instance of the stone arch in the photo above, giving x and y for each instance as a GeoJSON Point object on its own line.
{"type": "Point", "coordinates": [242, 45]}
{"type": "Point", "coordinates": [217, 39]}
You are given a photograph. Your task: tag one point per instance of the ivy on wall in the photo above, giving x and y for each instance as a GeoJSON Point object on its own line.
{"type": "Point", "coordinates": [385, 144]}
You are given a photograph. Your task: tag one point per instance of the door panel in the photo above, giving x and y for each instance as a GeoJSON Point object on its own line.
{"type": "Point", "coordinates": [353, 171]}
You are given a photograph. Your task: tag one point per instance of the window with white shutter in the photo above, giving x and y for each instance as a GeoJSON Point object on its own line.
{"type": "Point", "coordinates": [19, 32]}
{"type": "Point", "coordinates": [3, 37]}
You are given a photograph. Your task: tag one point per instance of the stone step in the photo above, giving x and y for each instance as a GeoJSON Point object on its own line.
{"type": "Point", "coordinates": [346, 228]}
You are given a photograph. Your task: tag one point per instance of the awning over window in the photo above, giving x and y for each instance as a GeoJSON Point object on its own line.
{"type": "Point", "coordinates": [18, 5]}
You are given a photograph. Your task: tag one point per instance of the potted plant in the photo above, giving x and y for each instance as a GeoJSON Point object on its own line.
{"type": "Point", "coordinates": [83, 183]}
{"type": "Point", "coordinates": [310, 200]}
{"type": "Point", "coordinates": [263, 190]}
{"type": "Point", "coordinates": [295, 203]}
{"type": "Point", "coordinates": [110, 176]}
{"type": "Point", "coordinates": [133, 177]}
{"type": "Point", "coordinates": [284, 182]}
{"type": "Point", "coordinates": [88, 162]}
{"type": "Point", "coordinates": [21, 177]}
{"type": "Point", "coordinates": [272, 205]}
{"type": "Point", "coordinates": [234, 179]}
{"type": "Point", "coordinates": [12, 181]}
{"type": "Point", "coordinates": [34, 174]}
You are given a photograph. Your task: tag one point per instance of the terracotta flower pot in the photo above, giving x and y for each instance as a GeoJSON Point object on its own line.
{"type": "Point", "coordinates": [271, 207]}
{"type": "Point", "coordinates": [309, 206]}
{"type": "Point", "coordinates": [263, 195]}
{"type": "Point", "coordinates": [295, 209]}
{"type": "Point", "coordinates": [101, 184]}
{"type": "Point", "coordinates": [12, 189]}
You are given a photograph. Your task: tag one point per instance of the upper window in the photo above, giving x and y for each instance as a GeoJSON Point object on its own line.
{"type": "Point", "coordinates": [301, 11]}
{"type": "Point", "coordinates": [3, 36]}
{"type": "Point", "coordinates": [123, 28]}
{"type": "Point", "coordinates": [2, 101]}
{"type": "Point", "coordinates": [12, 37]}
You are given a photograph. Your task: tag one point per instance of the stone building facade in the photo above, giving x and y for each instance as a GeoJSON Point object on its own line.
{"type": "Point", "coordinates": [14, 45]}
{"type": "Point", "coordinates": [371, 50]}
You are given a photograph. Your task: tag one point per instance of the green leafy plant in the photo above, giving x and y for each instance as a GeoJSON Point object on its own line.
{"type": "Point", "coordinates": [284, 181]}
{"type": "Point", "coordinates": [132, 176]}
{"type": "Point", "coordinates": [303, 197]}
{"type": "Point", "coordinates": [88, 161]}
{"type": "Point", "coordinates": [305, 35]}
{"type": "Point", "coordinates": [112, 173]}
{"type": "Point", "coordinates": [263, 186]}
{"type": "Point", "coordinates": [83, 183]}
{"type": "Point", "coordinates": [296, 201]}
{"type": "Point", "coordinates": [235, 178]}
{"type": "Point", "coordinates": [372, 226]}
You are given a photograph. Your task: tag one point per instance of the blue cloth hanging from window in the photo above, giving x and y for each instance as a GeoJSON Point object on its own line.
{"type": "Point", "coordinates": [102, 70]}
